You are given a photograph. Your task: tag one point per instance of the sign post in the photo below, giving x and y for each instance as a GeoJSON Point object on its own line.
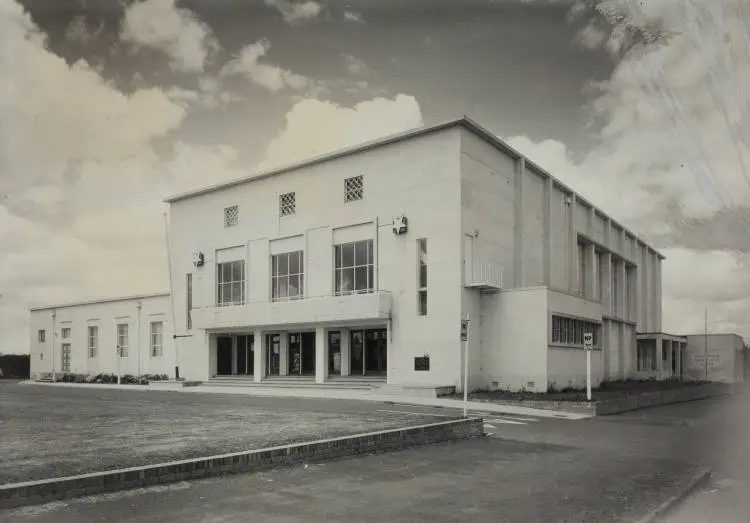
{"type": "Point", "coordinates": [588, 346]}
{"type": "Point", "coordinates": [119, 357]}
{"type": "Point", "coordinates": [465, 341]}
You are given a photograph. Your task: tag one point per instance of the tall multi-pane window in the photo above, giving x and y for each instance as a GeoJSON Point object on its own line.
{"type": "Point", "coordinates": [93, 341]}
{"type": "Point", "coordinates": [422, 276]}
{"type": "Point", "coordinates": [615, 288]}
{"type": "Point", "coordinates": [65, 354]}
{"type": "Point", "coordinates": [122, 339]}
{"type": "Point", "coordinates": [287, 276]}
{"type": "Point", "coordinates": [582, 269]}
{"type": "Point", "coordinates": [189, 300]}
{"type": "Point", "coordinates": [41, 336]}
{"type": "Point", "coordinates": [157, 332]}
{"type": "Point", "coordinates": [230, 281]}
{"type": "Point", "coordinates": [354, 268]}
{"type": "Point", "coordinates": [570, 331]}
{"type": "Point", "coordinates": [599, 274]}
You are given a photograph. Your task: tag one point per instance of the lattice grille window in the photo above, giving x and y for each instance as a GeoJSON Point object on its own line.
{"type": "Point", "coordinates": [231, 216]}
{"type": "Point", "coordinates": [287, 204]}
{"type": "Point", "coordinates": [354, 188]}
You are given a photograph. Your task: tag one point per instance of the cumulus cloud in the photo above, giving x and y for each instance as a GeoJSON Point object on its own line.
{"type": "Point", "coordinates": [355, 65]}
{"type": "Point", "coordinates": [79, 30]}
{"type": "Point", "coordinates": [160, 24]}
{"type": "Point", "coordinates": [353, 16]}
{"type": "Point", "coordinates": [272, 77]}
{"type": "Point", "coordinates": [82, 178]}
{"type": "Point", "coordinates": [303, 136]}
{"type": "Point", "coordinates": [296, 12]}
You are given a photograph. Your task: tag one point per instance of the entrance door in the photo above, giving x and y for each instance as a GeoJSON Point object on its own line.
{"type": "Point", "coordinates": [66, 357]}
{"type": "Point", "coordinates": [357, 353]}
{"type": "Point", "coordinates": [224, 356]}
{"type": "Point", "coordinates": [301, 354]}
{"type": "Point", "coordinates": [245, 357]}
{"type": "Point", "coordinates": [273, 354]}
{"type": "Point", "coordinates": [376, 351]}
{"type": "Point", "coordinates": [334, 353]}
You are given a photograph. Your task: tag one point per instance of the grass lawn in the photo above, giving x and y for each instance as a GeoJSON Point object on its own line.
{"type": "Point", "coordinates": [59, 431]}
{"type": "Point", "coordinates": [612, 390]}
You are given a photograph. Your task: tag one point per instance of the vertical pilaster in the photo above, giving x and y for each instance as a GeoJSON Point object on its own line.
{"type": "Point", "coordinates": [572, 245]}
{"type": "Point", "coordinates": [321, 355]}
{"type": "Point", "coordinates": [284, 353]}
{"type": "Point", "coordinates": [234, 354]}
{"type": "Point", "coordinates": [591, 273]}
{"type": "Point", "coordinates": [655, 296]}
{"type": "Point", "coordinates": [548, 231]}
{"type": "Point", "coordinates": [520, 175]}
{"type": "Point", "coordinates": [259, 355]}
{"type": "Point", "coordinates": [346, 352]}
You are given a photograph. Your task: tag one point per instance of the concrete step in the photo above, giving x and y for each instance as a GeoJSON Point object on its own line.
{"type": "Point", "coordinates": [292, 382]}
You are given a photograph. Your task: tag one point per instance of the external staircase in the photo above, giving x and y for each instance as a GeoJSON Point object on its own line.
{"type": "Point", "coordinates": [359, 383]}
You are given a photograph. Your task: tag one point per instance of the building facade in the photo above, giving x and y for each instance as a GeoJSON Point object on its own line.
{"type": "Point", "coordinates": [365, 262]}
{"type": "Point", "coordinates": [84, 338]}
{"type": "Point", "coordinates": [715, 357]}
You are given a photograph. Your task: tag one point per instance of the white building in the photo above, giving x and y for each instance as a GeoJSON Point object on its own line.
{"type": "Point", "coordinates": [364, 262]}
{"type": "Point", "coordinates": [83, 338]}
{"type": "Point", "coordinates": [715, 357]}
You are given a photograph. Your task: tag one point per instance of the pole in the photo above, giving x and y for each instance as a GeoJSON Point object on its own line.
{"type": "Point", "coordinates": [52, 341]}
{"type": "Point", "coordinates": [171, 298]}
{"type": "Point", "coordinates": [705, 343]}
{"type": "Point", "coordinates": [138, 343]}
{"type": "Point", "coordinates": [588, 374]}
{"type": "Point", "coordinates": [466, 369]}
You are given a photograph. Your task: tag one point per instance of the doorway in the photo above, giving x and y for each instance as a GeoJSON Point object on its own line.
{"type": "Point", "coordinates": [273, 354]}
{"type": "Point", "coordinates": [66, 357]}
{"type": "Point", "coordinates": [334, 353]}
{"type": "Point", "coordinates": [369, 352]}
{"type": "Point", "coordinates": [224, 356]}
{"type": "Point", "coordinates": [301, 354]}
{"type": "Point", "coordinates": [245, 355]}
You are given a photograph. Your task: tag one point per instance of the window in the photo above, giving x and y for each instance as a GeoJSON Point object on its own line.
{"type": "Point", "coordinates": [66, 357]}
{"type": "Point", "coordinates": [189, 299]}
{"type": "Point", "coordinates": [646, 355]}
{"type": "Point", "coordinates": [230, 279]}
{"type": "Point", "coordinates": [157, 331]}
{"type": "Point", "coordinates": [354, 188]}
{"type": "Point", "coordinates": [582, 269]}
{"type": "Point", "coordinates": [93, 341]}
{"type": "Point", "coordinates": [287, 276]}
{"type": "Point", "coordinates": [41, 335]}
{"type": "Point", "coordinates": [422, 276]}
{"type": "Point", "coordinates": [615, 289]}
{"type": "Point", "coordinates": [122, 339]}
{"type": "Point", "coordinates": [599, 275]}
{"type": "Point", "coordinates": [570, 331]}
{"type": "Point", "coordinates": [65, 332]}
{"type": "Point", "coordinates": [287, 204]}
{"type": "Point", "coordinates": [353, 267]}
{"type": "Point", "coordinates": [231, 216]}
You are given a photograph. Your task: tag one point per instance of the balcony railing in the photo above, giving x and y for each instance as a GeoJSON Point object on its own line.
{"type": "Point", "coordinates": [484, 275]}
{"type": "Point", "coordinates": [331, 308]}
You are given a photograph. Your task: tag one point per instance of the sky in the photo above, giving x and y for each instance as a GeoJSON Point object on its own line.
{"type": "Point", "coordinates": [106, 107]}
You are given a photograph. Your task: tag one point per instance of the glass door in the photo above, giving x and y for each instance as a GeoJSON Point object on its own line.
{"type": "Point", "coordinates": [376, 351]}
{"type": "Point", "coordinates": [307, 358]}
{"type": "Point", "coordinates": [357, 353]}
{"type": "Point", "coordinates": [66, 357]}
{"type": "Point", "coordinates": [294, 367]}
{"type": "Point", "coordinates": [245, 359]}
{"type": "Point", "coordinates": [273, 354]}
{"type": "Point", "coordinates": [334, 353]}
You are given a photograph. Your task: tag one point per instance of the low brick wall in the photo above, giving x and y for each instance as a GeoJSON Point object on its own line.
{"type": "Point", "coordinates": [664, 397]}
{"type": "Point", "coordinates": [43, 491]}
{"type": "Point", "coordinates": [577, 407]}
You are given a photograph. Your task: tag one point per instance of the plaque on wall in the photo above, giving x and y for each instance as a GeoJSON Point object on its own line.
{"type": "Point", "coordinates": [421, 363]}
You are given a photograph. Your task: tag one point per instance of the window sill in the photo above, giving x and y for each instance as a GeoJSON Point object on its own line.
{"type": "Point", "coordinates": [571, 346]}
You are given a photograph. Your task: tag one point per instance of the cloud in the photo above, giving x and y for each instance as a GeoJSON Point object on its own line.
{"type": "Point", "coordinates": [79, 31]}
{"type": "Point", "coordinates": [161, 25]}
{"type": "Point", "coordinates": [355, 65]}
{"type": "Point", "coordinates": [352, 16]}
{"type": "Point", "coordinates": [304, 137]}
{"type": "Point", "coordinates": [269, 76]}
{"type": "Point", "coordinates": [296, 12]}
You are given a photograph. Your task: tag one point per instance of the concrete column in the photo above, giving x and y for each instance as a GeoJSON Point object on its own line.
{"type": "Point", "coordinates": [283, 353]}
{"type": "Point", "coordinates": [212, 356]}
{"type": "Point", "coordinates": [321, 355]}
{"type": "Point", "coordinates": [621, 290]}
{"type": "Point", "coordinates": [659, 365]}
{"type": "Point", "coordinates": [572, 246]}
{"type": "Point", "coordinates": [655, 295]}
{"type": "Point", "coordinates": [548, 213]}
{"type": "Point", "coordinates": [670, 355]}
{"type": "Point", "coordinates": [518, 222]}
{"type": "Point", "coordinates": [345, 352]}
{"type": "Point", "coordinates": [259, 356]}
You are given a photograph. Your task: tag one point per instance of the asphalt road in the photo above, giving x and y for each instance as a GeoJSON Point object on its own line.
{"type": "Point", "coordinates": [541, 470]}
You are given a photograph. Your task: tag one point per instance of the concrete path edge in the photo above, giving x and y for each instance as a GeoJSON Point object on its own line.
{"type": "Point", "coordinates": [697, 480]}
{"type": "Point", "coordinates": [15, 495]}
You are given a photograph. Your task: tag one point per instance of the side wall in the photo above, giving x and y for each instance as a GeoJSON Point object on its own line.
{"type": "Point", "coordinates": [106, 316]}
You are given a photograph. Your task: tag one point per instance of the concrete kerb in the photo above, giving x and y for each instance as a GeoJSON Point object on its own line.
{"type": "Point", "coordinates": [14, 495]}
{"type": "Point", "coordinates": [697, 480]}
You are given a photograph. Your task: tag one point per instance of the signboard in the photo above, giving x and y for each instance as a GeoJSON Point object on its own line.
{"type": "Point", "coordinates": [464, 330]}
{"type": "Point", "coordinates": [588, 340]}
{"type": "Point", "coordinates": [422, 363]}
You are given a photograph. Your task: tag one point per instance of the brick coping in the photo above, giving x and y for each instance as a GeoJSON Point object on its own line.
{"type": "Point", "coordinates": [54, 489]}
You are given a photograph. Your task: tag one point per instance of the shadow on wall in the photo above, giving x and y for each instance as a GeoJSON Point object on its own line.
{"type": "Point", "coordinates": [15, 366]}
